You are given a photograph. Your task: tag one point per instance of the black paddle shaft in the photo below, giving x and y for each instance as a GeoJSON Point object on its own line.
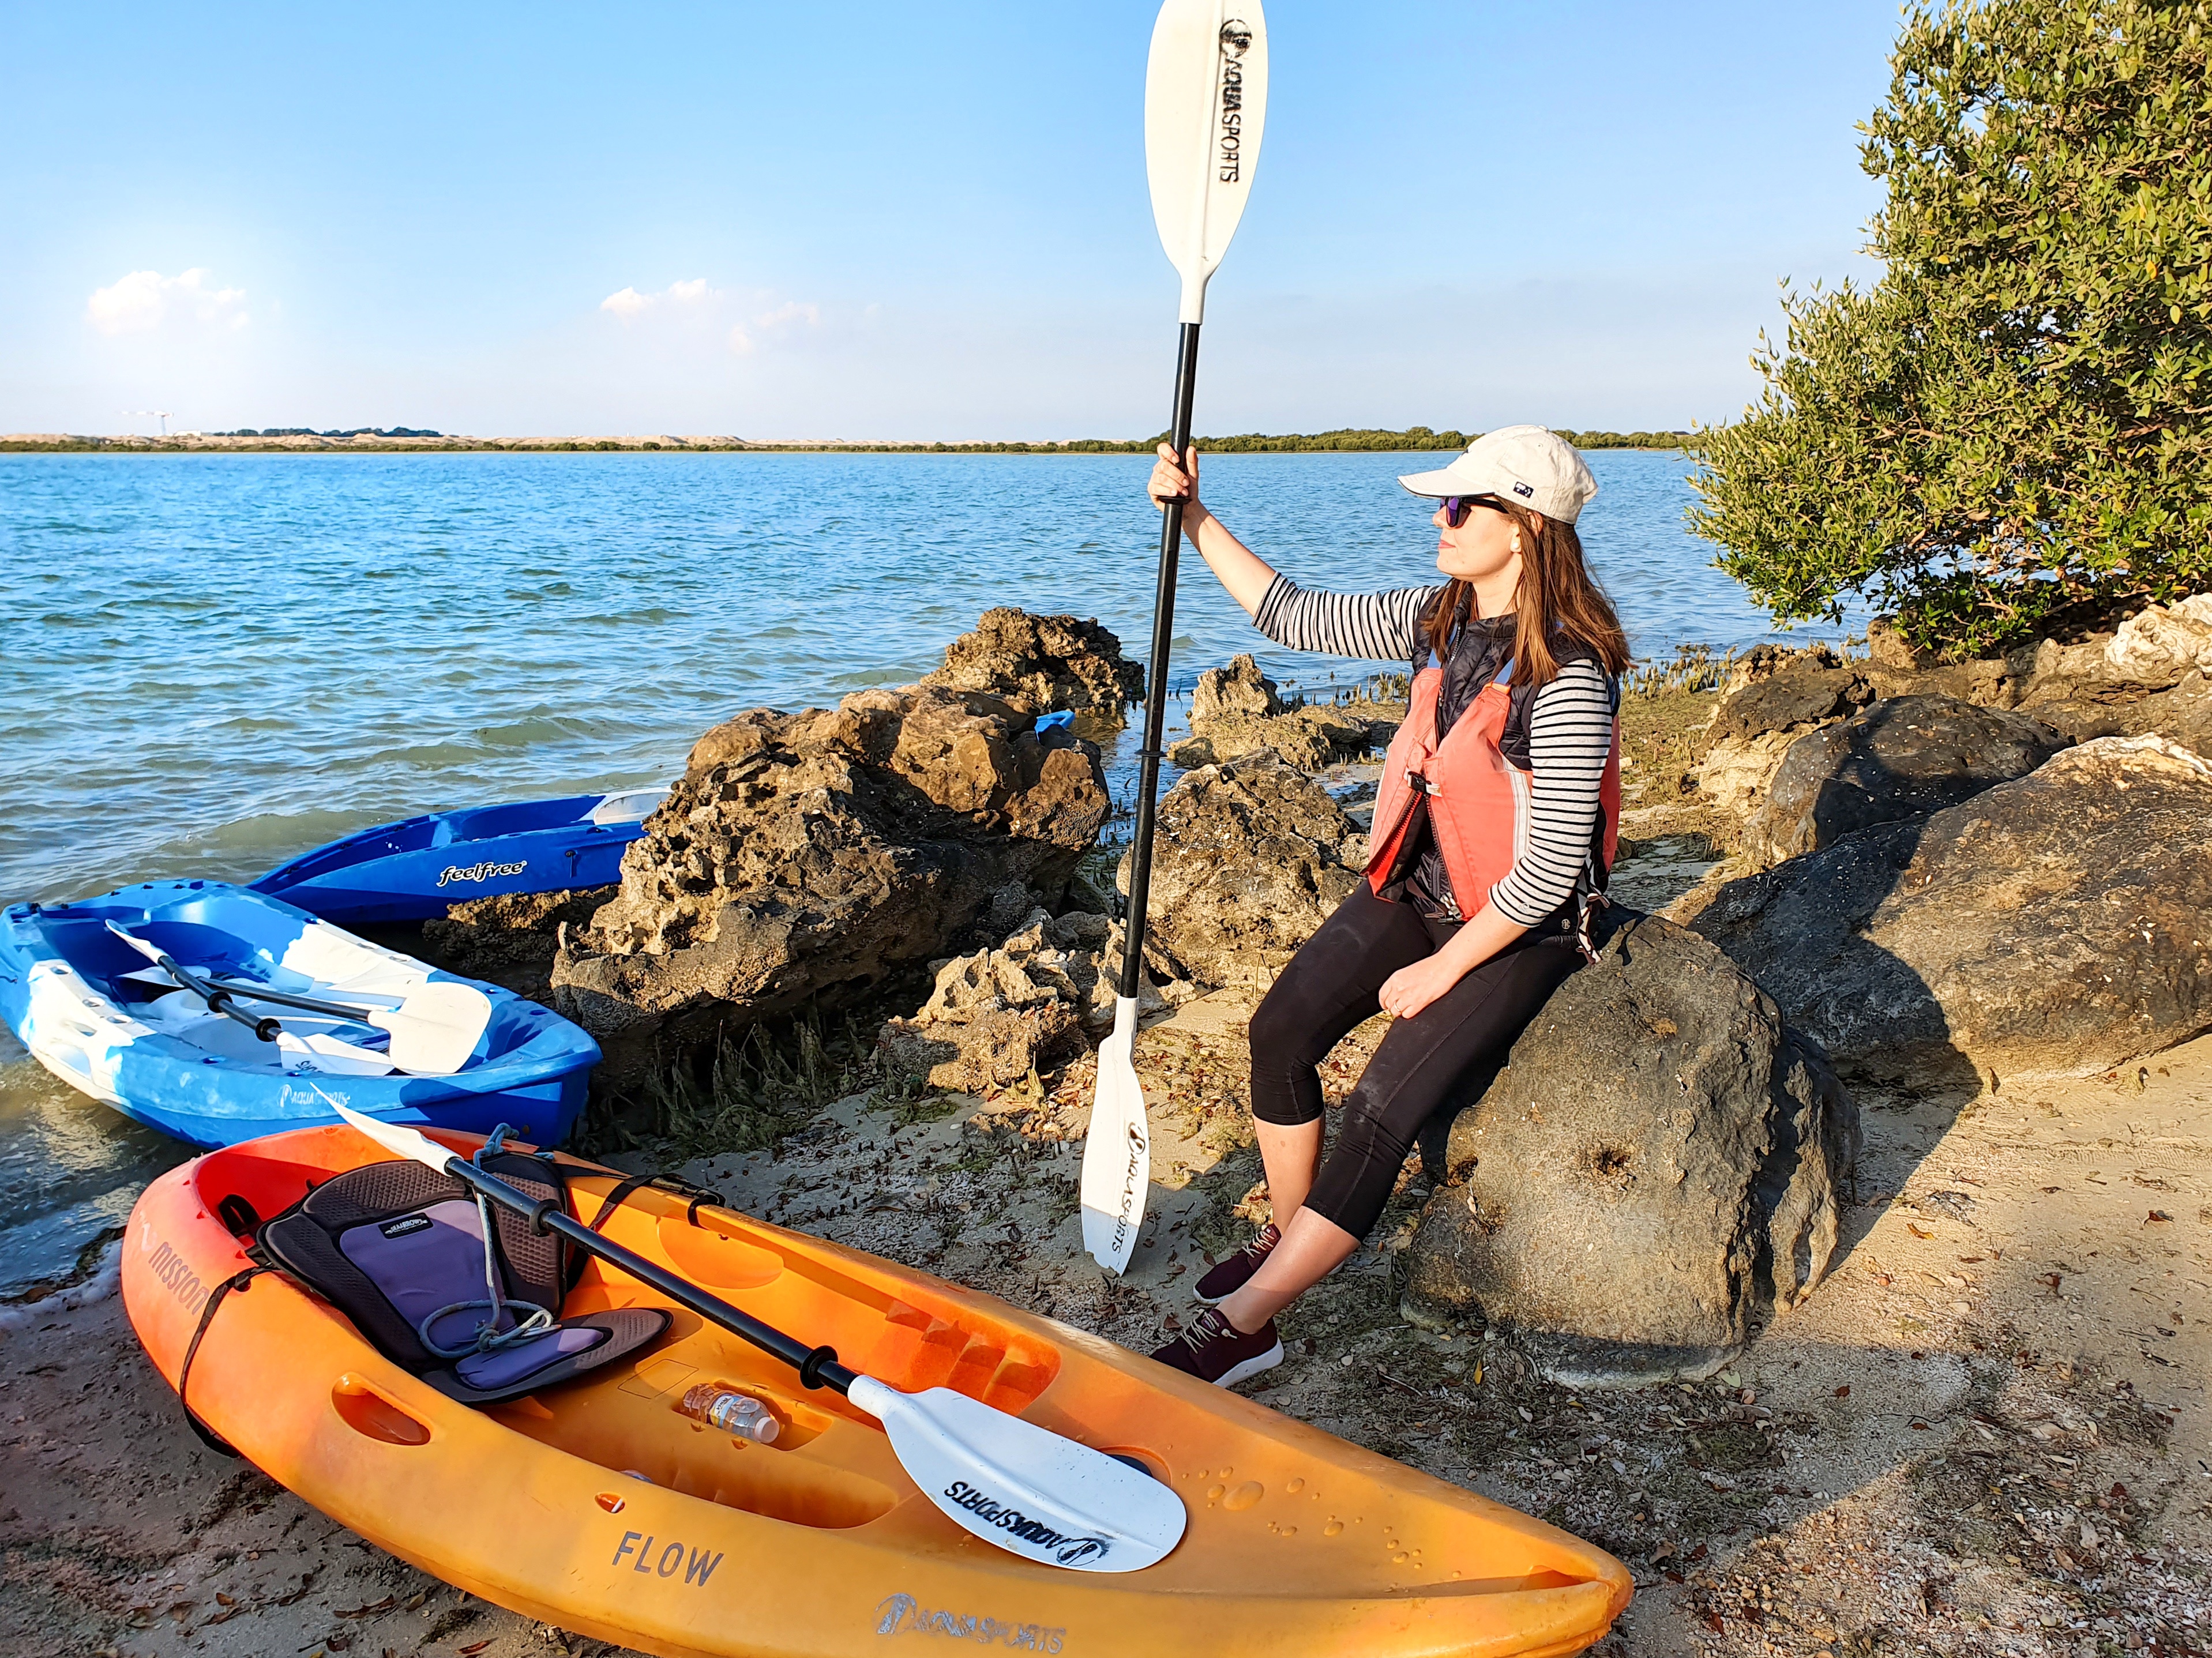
{"type": "Point", "coordinates": [285, 998]}
{"type": "Point", "coordinates": [817, 1367]}
{"type": "Point", "coordinates": [1156, 691]}
{"type": "Point", "coordinates": [218, 999]}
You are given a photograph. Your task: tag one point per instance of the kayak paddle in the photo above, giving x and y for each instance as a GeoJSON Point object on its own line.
{"type": "Point", "coordinates": [1205, 96]}
{"type": "Point", "coordinates": [433, 1030]}
{"type": "Point", "coordinates": [1009, 1482]}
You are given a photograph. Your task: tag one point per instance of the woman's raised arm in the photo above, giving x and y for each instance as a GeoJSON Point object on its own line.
{"type": "Point", "coordinates": [1242, 571]}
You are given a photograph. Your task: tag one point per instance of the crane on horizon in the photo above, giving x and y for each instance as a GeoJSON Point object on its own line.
{"type": "Point", "coordinates": [161, 414]}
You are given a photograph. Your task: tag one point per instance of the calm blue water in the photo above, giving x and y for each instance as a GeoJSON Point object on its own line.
{"type": "Point", "coordinates": [211, 663]}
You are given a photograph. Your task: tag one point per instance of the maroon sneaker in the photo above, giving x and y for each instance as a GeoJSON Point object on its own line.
{"type": "Point", "coordinates": [1225, 1279]}
{"type": "Point", "coordinates": [1214, 1350]}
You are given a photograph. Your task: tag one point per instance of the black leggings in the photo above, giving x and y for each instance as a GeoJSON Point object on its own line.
{"type": "Point", "coordinates": [1331, 985]}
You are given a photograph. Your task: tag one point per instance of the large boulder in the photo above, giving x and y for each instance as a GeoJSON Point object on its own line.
{"type": "Point", "coordinates": [1655, 1170]}
{"type": "Point", "coordinates": [1772, 696]}
{"type": "Point", "coordinates": [1249, 859]}
{"type": "Point", "coordinates": [2055, 923]}
{"type": "Point", "coordinates": [1788, 691]}
{"type": "Point", "coordinates": [1237, 710]}
{"type": "Point", "coordinates": [1902, 757]}
{"type": "Point", "coordinates": [1023, 1005]}
{"type": "Point", "coordinates": [806, 855]}
{"type": "Point", "coordinates": [1037, 664]}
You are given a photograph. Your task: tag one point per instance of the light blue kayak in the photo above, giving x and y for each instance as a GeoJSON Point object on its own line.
{"type": "Point", "coordinates": [410, 871]}
{"type": "Point", "coordinates": [93, 1011]}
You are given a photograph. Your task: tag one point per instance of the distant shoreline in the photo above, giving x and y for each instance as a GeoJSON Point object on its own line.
{"type": "Point", "coordinates": [1346, 441]}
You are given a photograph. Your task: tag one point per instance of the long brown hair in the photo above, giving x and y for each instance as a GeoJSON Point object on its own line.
{"type": "Point", "coordinates": [1556, 593]}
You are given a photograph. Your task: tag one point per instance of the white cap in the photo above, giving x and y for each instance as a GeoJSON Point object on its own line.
{"type": "Point", "coordinates": [1531, 465]}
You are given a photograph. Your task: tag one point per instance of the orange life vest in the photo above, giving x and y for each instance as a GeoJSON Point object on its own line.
{"type": "Point", "coordinates": [1477, 801]}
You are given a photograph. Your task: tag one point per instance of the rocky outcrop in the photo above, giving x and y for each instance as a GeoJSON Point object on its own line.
{"type": "Point", "coordinates": [1237, 710]}
{"type": "Point", "coordinates": [1902, 757]}
{"type": "Point", "coordinates": [1026, 1004]}
{"type": "Point", "coordinates": [1655, 1170]}
{"type": "Point", "coordinates": [1237, 692]}
{"type": "Point", "coordinates": [1038, 664]}
{"type": "Point", "coordinates": [1249, 859]}
{"type": "Point", "coordinates": [805, 855]}
{"type": "Point", "coordinates": [2052, 923]}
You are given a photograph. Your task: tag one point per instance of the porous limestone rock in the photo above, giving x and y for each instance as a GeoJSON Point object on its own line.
{"type": "Point", "coordinates": [805, 856]}
{"type": "Point", "coordinates": [1737, 772]}
{"type": "Point", "coordinates": [1901, 757]}
{"type": "Point", "coordinates": [1038, 664]}
{"type": "Point", "coordinates": [1249, 859]}
{"type": "Point", "coordinates": [1658, 1169]}
{"type": "Point", "coordinates": [2055, 923]}
{"type": "Point", "coordinates": [1025, 1005]}
{"type": "Point", "coordinates": [2157, 645]}
{"type": "Point", "coordinates": [1236, 711]}
{"type": "Point", "coordinates": [1238, 689]}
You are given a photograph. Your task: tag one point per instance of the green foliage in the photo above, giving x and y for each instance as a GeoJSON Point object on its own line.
{"type": "Point", "coordinates": [2011, 424]}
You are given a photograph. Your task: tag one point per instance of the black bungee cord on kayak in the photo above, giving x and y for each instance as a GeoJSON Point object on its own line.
{"type": "Point", "coordinates": [489, 1337]}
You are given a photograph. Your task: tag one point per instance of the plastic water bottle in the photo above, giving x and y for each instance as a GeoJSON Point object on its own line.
{"type": "Point", "coordinates": [733, 1412]}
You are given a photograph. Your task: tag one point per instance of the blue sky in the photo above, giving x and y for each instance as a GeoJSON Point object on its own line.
{"type": "Point", "coordinates": [904, 221]}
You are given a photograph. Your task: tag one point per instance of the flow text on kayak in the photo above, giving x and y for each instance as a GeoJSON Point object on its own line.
{"type": "Point", "coordinates": [673, 1557]}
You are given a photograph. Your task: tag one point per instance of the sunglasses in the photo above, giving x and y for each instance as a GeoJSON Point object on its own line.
{"type": "Point", "coordinates": [1456, 508]}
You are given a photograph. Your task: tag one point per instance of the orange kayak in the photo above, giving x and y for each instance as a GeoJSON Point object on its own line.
{"type": "Point", "coordinates": [600, 1506]}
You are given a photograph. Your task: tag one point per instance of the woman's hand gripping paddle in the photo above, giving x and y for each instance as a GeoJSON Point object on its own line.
{"type": "Point", "coordinates": [1205, 96]}
{"type": "Point", "coordinates": [1030, 1491]}
{"type": "Point", "coordinates": [433, 1030]}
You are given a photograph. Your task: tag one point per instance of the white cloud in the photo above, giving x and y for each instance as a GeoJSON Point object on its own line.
{"type": "Point", "coordinates": [704, 305]}
{"type": "Point", "coordinates": [630, 305]}
{"type": "Point", "coordinates": [144, 299]}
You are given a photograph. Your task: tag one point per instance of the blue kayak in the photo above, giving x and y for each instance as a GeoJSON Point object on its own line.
{"type": "Point", "coordinates": [98, 1014]}
{"type": "Point", "coordinates": [410, 871]}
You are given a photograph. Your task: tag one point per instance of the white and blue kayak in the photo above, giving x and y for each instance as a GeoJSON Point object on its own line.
{"type": "Point", "coordinates": [410, 871]}
{"type": "Point", "coordinates": [216, 1014]}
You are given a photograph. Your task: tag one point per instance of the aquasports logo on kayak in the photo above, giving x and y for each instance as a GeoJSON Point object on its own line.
{"type": "Point", "coordinates": [484, 872]}
{"type": "Point", "coordinates": [1068, 1550]}
{"type": "Point", "coordinates": [903, 1612]}
{"type": "Point", "coordinates": [1235, 41]}
{"type": "Point", "coordinates": [311, 1095]}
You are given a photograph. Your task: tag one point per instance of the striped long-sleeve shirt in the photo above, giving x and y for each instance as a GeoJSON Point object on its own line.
{"type": "Point", "coordinates": [1570, 729]}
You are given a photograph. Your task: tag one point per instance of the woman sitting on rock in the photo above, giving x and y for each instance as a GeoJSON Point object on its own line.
{"type": "Point", "coordinates": [1500, 799]}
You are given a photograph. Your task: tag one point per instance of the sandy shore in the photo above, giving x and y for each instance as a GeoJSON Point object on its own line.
{"type": "Point", "coordinates": [1987, 1432]}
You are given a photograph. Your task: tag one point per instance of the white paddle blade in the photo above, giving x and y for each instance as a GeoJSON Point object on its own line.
{"type": "Point", "coordinates": [138, 944]}
{"type": "Point", "coordinates": [398, 1141]}
{"type": "Point", "coordinates": [1205, 101]}
{"type": "Point", "coordinates": [1023, 1487]}
{"type": "Point", "coordinates": [1117, 1154]}
{"type": "Point", "coordinates": [437, 1027]}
